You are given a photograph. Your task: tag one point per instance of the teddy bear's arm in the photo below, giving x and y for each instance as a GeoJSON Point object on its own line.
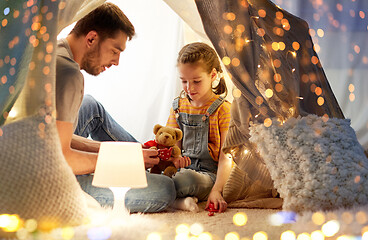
{"type": "Point", "coordinates": [176, 152]}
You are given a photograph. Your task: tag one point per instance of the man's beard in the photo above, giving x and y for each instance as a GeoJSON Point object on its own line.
{"type": "Point", "coordinates": [90, 61]}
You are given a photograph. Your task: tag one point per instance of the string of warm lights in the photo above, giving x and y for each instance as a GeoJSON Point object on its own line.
{"type": "Point", "coordinates": [329, 226]}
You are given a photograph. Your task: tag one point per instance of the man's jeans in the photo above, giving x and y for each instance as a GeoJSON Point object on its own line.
{"type": "Point", "coordinates": [95, 122]}
{"type": "Point", "coordinates": [156, 197]}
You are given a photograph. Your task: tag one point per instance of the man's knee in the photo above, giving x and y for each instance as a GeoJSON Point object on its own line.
{"type": "Point", "coordinates": [91, 105]}
{"type": "Point", "coordinates": [163, 187]}
{"type": "Point", "coordinates": [156, 197]}
{"type": "Point", "coordinates": [88, 99]}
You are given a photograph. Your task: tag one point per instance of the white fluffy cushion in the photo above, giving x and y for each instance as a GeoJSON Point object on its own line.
{"type": "Point", "coordinates": [315, 163]}
{"type": "Point", "coordinates": [36, 182]}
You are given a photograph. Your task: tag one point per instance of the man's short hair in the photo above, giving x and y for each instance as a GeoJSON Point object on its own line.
{"type": "Point", "coordinates": [106, 20]}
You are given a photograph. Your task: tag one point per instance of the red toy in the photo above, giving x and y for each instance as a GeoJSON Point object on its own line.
{"type": "Point", "coordinates": [211, 209]}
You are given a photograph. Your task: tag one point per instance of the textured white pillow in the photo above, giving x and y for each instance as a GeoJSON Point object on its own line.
{"type": "Point", "coordinates": [36, 182]}
{"type": "Point", "coordinates": [315, 163]}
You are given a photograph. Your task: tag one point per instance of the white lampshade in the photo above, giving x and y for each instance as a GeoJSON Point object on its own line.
{"type": "Point", "coordinates": [120, 164]}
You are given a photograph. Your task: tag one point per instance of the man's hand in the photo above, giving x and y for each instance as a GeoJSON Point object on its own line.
{"type": "Point", "coordinates": [181, 162]}
{"type": "Point", "coordinates": [150, 157]}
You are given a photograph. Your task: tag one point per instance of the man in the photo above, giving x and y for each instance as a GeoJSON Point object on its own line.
{"type": "Point", "coordinates": [95, 44]}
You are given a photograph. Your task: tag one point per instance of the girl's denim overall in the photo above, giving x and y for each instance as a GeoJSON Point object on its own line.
{"type": "Point", "coordinates": [198, 178]}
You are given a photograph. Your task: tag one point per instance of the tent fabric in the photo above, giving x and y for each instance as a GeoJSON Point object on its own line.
{"type": "Point", "coordinates": [339, 31]}
{"type": "Point", "coordinates": [277, 74]}
{"type": "Point", "coordinates": [36, 182]}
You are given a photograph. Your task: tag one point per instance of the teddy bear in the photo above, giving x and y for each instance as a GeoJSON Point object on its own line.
{"type": "Point", "coordinates": [165, 142]}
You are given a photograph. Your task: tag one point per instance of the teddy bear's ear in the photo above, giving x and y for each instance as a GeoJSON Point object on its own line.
{"type": "Point", "coordinates": [179, 134]}
{"type": "Point", "coordinates": [156, 128]}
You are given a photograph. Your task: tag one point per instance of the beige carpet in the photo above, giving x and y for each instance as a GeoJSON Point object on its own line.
{"type": "Point", "coordinates": [218, 225]}
{"type": "Point", "coordinates": [340, 224]}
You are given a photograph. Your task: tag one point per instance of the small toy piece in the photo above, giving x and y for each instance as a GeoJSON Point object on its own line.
{"type": "Point", "coordinates": [165, 141]}
{"type": "Point", "coordinates": [211, 209]}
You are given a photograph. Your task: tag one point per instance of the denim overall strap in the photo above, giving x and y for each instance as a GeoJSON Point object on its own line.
{"type": "Point", "coordinates": [195, 129]}
{"type": "Point", "coordinates": [215, 105]}
{"type": "Point", "coordinates": [175, 104]}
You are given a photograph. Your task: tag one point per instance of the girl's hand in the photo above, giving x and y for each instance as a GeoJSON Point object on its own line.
{"type": "Point", "coordinates": [216, 198]}
{"type": "Point", "coordinates": [181, 162]}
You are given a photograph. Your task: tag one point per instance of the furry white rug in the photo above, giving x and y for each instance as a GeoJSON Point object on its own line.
{"type": "Point", "coordinates": [104, 224]}
{"type": "Point", "coordinates": [339, 224]}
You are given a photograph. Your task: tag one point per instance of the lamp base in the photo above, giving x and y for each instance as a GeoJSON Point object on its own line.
{"type": "Point", "coordinates": [119, 208]}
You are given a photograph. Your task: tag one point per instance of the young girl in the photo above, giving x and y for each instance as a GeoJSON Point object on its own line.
{"type": "Point", "coordinates": [203, 116]}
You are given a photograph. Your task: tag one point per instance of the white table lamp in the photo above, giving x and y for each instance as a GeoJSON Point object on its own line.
{"type": "Point", "coordinates": [120, 166]}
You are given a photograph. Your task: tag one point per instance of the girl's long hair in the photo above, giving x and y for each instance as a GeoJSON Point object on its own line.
{"type": "Point", "coordinates": [206, 56]}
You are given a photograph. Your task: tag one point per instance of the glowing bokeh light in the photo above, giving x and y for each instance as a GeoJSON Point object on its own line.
{"type": "Point", "coordinates": [288, 235]}
{"type": "Point", "coordinates": [6, 11]}
{"type": "Point", "coordinates": [182, 236]}
{"type": "Point", "coordinates": [351, 97]}
{"type": "Point", "coordinates": [365, 236]}
{"type": "Point", "coordinates": [276, 220]}
{"type": "Point", "coordinates": [205, 236]}
{"type": "Point", "coordinates": [296, 46]}
{"type": "Point", "coordinates": [347, 217]}
{"type": "Point", "coordinates": [269, 93]}
{"type": "Point", "coordinates": [67, 233]}
{"type": "Point", "coordinates": [280, 218]}
{"type": "Point", "coordinates": [99, 233]}
{"type": "Point", "coordinates": [4, 220]}
{"type": "Point", "coordinates": [304, 236]}
{"type": "Point", "coordinates": [282, 46]}
{"type": "Point", "coordinates": [344, 237]}
{"type": "Point", "coordinates": [261, 235]}
{"type": "Point", "coordinates": [314, 60]}
{"type": "Point", "coordinates": [153, 236]}
{"type": "Point", "coordinates": [320, 101]}
{"type": "Point", "coordinates": [330, 228]}
{"type": "Point", "coordinates": [232, 236]}
{"type": "Point", "coordinates": [240, 219]}
{"type": "Point", "coordinates": [277, 63]}
{"type": "Point", "coordinates": [236, 93]}
{"type": "Point", "coordinates": [226, 60]}
{"type": "Point", "coordinates": [196, 229]}
{"type": "Point", "coordinates": [259, 100]}
{"type": "Point", "coordinates": [261, 32]}
{"type": "Point", "coordinates": [235, 62]}
{"type": "Point", "coordinates": [267, 122]}
{"type": "Point", "coordinates": [361, 14]}
{"type": "Point", "coordinates": [318, 91]}
{"type": "Point", "coordinates": [351, 87]}
{"type": "Point", "coordinates": [10, 223]}
{"type": "Point", "coordinates": [361, 217]}
{"type": "Point", "coordinates": [277, 77]}
{"type": "Point", "coordinates": [228, 29]}
{"type": "Point", "coordinates": [279, 15]}
{"type": "Point", "coordinates": [317, 235]}
{"type": "Point", "coordinates": [279, 87]}
{"type": "Point", "coordinates": [22, 234]}
{"type": "Point", "coordinates": [320, 32]}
